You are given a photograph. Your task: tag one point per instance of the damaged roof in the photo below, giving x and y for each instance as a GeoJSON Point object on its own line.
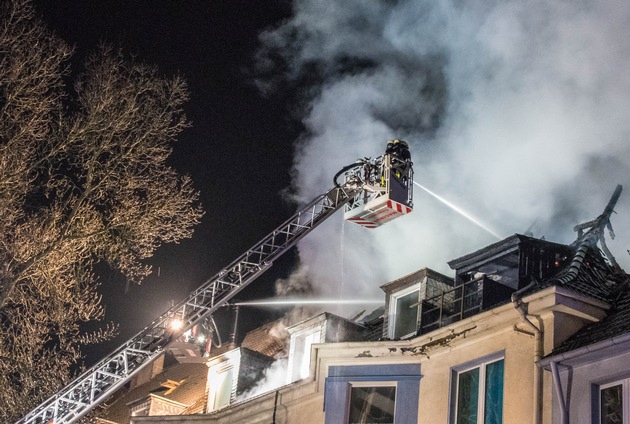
{"type": "Point", "coordinates": [615, 324]}
{"type": "Point", "coordinates": [270, 339]}
{"type": "Point", "coordinates": [597, 278]}
{"type": "Point", "coordinates": [184, 383]}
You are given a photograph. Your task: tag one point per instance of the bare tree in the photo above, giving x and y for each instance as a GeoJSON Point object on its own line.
{"type": "Point", "coordinates": [83, 180]}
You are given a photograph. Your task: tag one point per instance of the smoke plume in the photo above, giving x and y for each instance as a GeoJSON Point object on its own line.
{"type": "Point", "coordinates": [516, 111]}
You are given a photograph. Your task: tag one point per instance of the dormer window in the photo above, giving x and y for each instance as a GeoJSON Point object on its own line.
{"type": "Point", "coordinates": [403, 312]}
{"type": "Point", "coordinates": [222, 379]}
{"type": "Point", "coordinates": [323, 328]}
{"type": "Point", "coordinates": [301, 351]}
{"type": "Point", "coordinates": [404, 300]}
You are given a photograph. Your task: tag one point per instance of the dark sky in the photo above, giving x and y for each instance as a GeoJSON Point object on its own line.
{"type": "Point", "coordinates": [238, 150]}
{"type": "Point", "coordinates": [514, 111]}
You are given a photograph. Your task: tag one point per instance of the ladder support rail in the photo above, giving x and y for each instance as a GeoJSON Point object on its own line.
{"type": "Point", "coordinates": [107, 376]}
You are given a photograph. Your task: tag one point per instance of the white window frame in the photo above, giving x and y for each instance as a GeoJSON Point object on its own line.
{"type": "Point", "coordinates": [217, 377]}
{"type": "Point", "coordinates": [353, 384]}
{"type": "Point", "coordinates": [299, 364]}
{"type": "Point", "coordinates": [393, 312]}
{"type": "Point", "coordinates": [481, 364]}
{"type": "Point", "coordinates": [625, 399]}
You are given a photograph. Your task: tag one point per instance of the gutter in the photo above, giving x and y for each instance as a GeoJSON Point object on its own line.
{"type": "Point", "coordinates": [580, 351]}
{"type": "Point", "coordinates": [521, 308]}
{"type": "Point", "coordinates": [555, 360]}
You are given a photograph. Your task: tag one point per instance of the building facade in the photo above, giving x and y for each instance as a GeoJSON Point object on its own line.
{"type": "Point", "coordinates": [504, 341]}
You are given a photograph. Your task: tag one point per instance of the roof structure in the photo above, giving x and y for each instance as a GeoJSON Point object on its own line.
{"type": "Point", "coordinates": [581, 267]}
{"type": "Point", "coordinates": [183, 383]}
{"type": "Point", "coordinates": [595, 273]}
{"type": "Point", "coordinates": [599, 279]}
{"type": "Point", "coordinates": [596, 277]}
{"type": "Point", "coordinates": [269, 339]}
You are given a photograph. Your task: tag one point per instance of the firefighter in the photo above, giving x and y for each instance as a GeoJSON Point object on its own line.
{"type": "Point", "coordinates": [400, 156]}
{"type": "Point", "coordinates": [398, 149]}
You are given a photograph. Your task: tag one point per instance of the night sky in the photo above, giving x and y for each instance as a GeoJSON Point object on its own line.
{"type": "Point", "coordinates": [516, 111]}
{"type": "Point", "coordinates": [238, 150]}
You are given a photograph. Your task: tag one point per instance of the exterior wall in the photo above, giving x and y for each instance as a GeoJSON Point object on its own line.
{"type": "Point", "coordinates": [580, 382]}
{"type": "Point", "coordinates": [295, 403]}
{"type": "Point", "coordinates": [498, 331]}
{"type": "Point", "coordinates": [452, 346]}
{"type": "Point", "coordinates": [164, 407]}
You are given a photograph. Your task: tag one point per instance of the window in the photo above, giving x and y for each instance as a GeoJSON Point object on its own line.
{"type": "Point", "coordinates": [376, 394]}
{"type": "Point", "coordinates": [403, 312]}
{"type": "Point", "coordinates": [223, 374]}
{"type": "Point", "coordinates": [300, 353]}
{"type": "Point", "coordinates": [477, 392]}
{"type": "Point", "coordinates": [371, 404]}
{"type": "Point", "coordinates": [223, 392]}
{"type": "Point", "coordinates": [613, 408]}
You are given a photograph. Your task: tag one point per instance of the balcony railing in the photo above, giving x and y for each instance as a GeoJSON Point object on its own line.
{"type": "Point", "coordinates": [461, 302]}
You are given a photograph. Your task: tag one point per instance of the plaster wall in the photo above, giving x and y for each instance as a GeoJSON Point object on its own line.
{"type": "Point", "coordinates": [579, 384]}
{"type": "Point", "coordinates": [437, 355]}
{"type": "Point", "coordinates": [499, 330]}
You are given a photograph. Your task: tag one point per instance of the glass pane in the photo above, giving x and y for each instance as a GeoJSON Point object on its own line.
{"type": "Point", "coordinates": [611, 405]}
{"type": "Point", "coordinates": [494, 393]}
{"type": "Point", "coordinates": [406, 315]}
{"type": "Point", "coordinates": [372, 405]}
{"type": "Point", "coordinates": [468, 397]}
{"type": "Point", "coordinates": [224, 385]}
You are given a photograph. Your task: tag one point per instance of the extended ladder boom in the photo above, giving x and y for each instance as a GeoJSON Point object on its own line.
{"type": "Point", "coordinates": [107, 376]}
{"type": "Point", "coordinates": [376, 191]}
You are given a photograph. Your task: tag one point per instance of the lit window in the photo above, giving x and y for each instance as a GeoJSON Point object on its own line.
{"type": "Point", "coordinates": [222, 379]}
{"type": "Point", "coordinates": [223, 393]}
{"type": "Point", "coordinates": [403, 312]}
{"type": "Point", "coordinates": [300, 353]}
{"type": "Point", "coordinates": [612, 406]}
{"type": "Point", "coordinates": [477, 396]}
{"type": "Point", "coordinates": [372, 404]}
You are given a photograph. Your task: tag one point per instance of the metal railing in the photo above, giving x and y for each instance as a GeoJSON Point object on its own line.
{"type": "Point", "coordinates": [461, 302]}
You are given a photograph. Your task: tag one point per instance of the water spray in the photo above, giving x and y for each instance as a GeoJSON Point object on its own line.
{"type": "Point", "coordinates": [280, 302]}
{"type": "Point", "coordinates": [460, 211]}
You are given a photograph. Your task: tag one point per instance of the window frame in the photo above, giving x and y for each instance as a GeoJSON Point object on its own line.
{"type": "Point", "coordinates": [301, 343]}
{"type": "Point", "coordinates": [369, 384]}
{"type": "Point", "coordinates": [625, 399]}
{"type": "Point", "coordinates": [393, 310]}
{"type": "Point", "coordinates": [340, 380]}
{"type": "Point", "coordinates": [218, 369]}
{"type": "Point", "coordinates": [481, 364]}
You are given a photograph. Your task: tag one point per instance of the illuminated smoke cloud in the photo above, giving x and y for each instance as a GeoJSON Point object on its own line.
{"type": "Point", "coordinates": [273, 378]}
{"type": "Point", "coordinates": [516, 111]}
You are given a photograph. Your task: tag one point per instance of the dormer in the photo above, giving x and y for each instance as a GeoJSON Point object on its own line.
{"type": "Point", "coordinates": [403, 299]}
{"type": "Point", "coordinates": [233, 373]}
{"type": "Point", "coordinates": [512, 262]}
{"type": "Point", "coordinates": [488, 277]}
{"type": "Point", "coordinates": [427, 300]}
{"type": "Point", "coordinates": [322, 328]}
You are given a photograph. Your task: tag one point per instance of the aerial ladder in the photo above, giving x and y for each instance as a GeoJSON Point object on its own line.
{"type": "Point", "coordinates": [373, 191]}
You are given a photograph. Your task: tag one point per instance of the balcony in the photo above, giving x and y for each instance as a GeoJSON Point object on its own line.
{"type": "Point", "coordinates": [461, 302]}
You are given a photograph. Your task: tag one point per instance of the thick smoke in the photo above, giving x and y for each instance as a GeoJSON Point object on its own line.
{"type": "Point", "coordinates": [517, 111]}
